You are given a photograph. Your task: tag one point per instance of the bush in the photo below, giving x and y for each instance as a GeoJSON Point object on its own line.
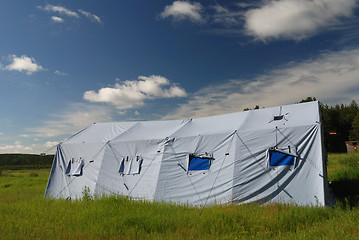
{"type": "Point", "coordinates": [86, 194]}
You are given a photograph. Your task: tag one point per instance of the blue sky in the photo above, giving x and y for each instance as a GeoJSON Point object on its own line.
{"type": "Point", "coordinates": [67, 64]}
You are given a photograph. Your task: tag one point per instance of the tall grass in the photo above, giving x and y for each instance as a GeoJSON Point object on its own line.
{"type": "Point", "coordinates": [343, 167]}
{"type": "Point", "coordinates": [343, 173]}
{"type": "Point", "coordinates": [25, 214]}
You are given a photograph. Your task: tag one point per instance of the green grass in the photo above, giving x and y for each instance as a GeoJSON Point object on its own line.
{"type": "Point", "coordinates": [343, 167]}
{"type": "Point", "coordinates": [343, 173]}
{"type": "Point", "coordinates": [25, 214]}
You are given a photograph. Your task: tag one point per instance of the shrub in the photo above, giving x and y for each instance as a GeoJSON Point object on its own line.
{"type": "Point", "coordinates": [86, 194]}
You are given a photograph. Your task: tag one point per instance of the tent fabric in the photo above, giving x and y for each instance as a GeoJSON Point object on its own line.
{"type": "Point", "coordinates": [253, 156]}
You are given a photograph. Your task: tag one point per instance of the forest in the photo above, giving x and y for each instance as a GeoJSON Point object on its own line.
{"type": "Point", "coordinates": [340, 124]}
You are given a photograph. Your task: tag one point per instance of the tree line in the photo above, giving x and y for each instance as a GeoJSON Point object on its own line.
{"type": "Point", "coordinates": [25, 161]}
{"type": "Point", "coordinates": [340, 124]}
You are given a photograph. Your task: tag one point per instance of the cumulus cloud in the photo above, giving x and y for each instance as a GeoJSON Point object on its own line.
{"type": "Point", "coordinates": [79, 116]}
{"type": "Point", "coordinates": [90, 16]}
{"type": "Point", "coordinates": [182, 10]}
{"type": "Point", "coordinates": [266, 19]}
{"type": "Point", "coordinates": [295, 19]}
{"type": "Point", "coordinates": [331, 78]}
{"type": "Point", "coordinates": [129, 94]}
{"type": "Point", "coordinates": [23, 63]}
{"type": "Point", "coordinates": [57, 19]}
{"type": "Point", "coordinates": [60, 10]}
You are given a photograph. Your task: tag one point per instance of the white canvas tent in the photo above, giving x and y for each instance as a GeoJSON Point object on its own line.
{"type": "Point", "coordinates": [267, 155]}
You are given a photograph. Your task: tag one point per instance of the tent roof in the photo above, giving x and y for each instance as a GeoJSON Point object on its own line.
{"type": "Point", "coordinates": [288, 115]}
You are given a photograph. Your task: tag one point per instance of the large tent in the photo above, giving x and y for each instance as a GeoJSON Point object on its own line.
{"type": "Point", "coordinates": [266, 155]}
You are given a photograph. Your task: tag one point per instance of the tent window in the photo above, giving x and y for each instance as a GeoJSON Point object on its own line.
{"type": "Point", "coordinates": [75, 167]}
{"type": "Point", "coordinates": [277, 158]}
{"type": "Point", "coordinates": [130, 165]}
{"type": "Point", "coordinates": [199, 162]}
{"type": "Point", "coordinates": [277, 118]}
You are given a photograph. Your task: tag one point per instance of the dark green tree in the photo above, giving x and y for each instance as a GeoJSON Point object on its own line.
{"type": "Point", "coordinates": [308, 99]}
{"type": "Point", "coordinates": [354, 133]}
{"type": "Point", "coordinates": [337, 122]}
{"type": "Point", "coordinates": [337, 125]}
{"type": "Point", "coordinates": [247, 109]}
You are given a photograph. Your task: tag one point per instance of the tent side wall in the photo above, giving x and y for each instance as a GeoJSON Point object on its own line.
{"type": "Point", "coordinates": [57, 182]}
{"type": "Point", "coordinates": [176, 183]}
{"type": "Point", "coordinates": [75, 167]}
{"type": "Point", "coordinates": [139, 178]}
{"type": "Point", "coordinates": [303, 183]}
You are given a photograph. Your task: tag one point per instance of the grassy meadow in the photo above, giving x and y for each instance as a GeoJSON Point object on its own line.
{"type": "Point", "coordinates": [25, 214]}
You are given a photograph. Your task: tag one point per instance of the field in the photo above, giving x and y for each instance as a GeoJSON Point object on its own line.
{"type": "Point", "coordinates": [25, 214]}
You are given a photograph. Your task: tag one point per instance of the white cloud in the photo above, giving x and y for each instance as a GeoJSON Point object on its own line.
{"type": "Point", "coordinates": [51, 144]}
{"type": "Point", "coordinates": [295, 19]}
{"type": "Point", "coordinates": [90, 16]}
{"type": "Point", "coordinates": [57, 72]}
{"type": "Point", "coordinates": [73, 120]}
{"type": "Point", "coordinates": [225, 16]}
{"type": "Point", "coordinates": [17, 147]}
{"type": "Point", "coordinates": [23, 63]}
{"type": "Point", "coordinates": [79, 116]}
{"type": "Point", "coordinates": [130, 94]}
{"type": "Point", "coordinates": [57, 19]}
{"type": "Point", "coordinates": [266, 19]}
{"type": "Point", "coordinates": [247, 5]}
{"type": "Point", "coordinates": [331, 78]}
{"type": "Point", "coordinates": [60, 10]}
{"type": "Point", "coordinates": [62, 125]}
{"type": "Point", "coordinates": [181, 10]}
{"type": "Point", "coordinates": [69, 13]}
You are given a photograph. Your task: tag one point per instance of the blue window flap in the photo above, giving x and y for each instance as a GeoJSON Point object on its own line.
{"type": "Point", "coordinates": [198, 164]}
{"type": "Point", "coordinates": [280, 159]}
